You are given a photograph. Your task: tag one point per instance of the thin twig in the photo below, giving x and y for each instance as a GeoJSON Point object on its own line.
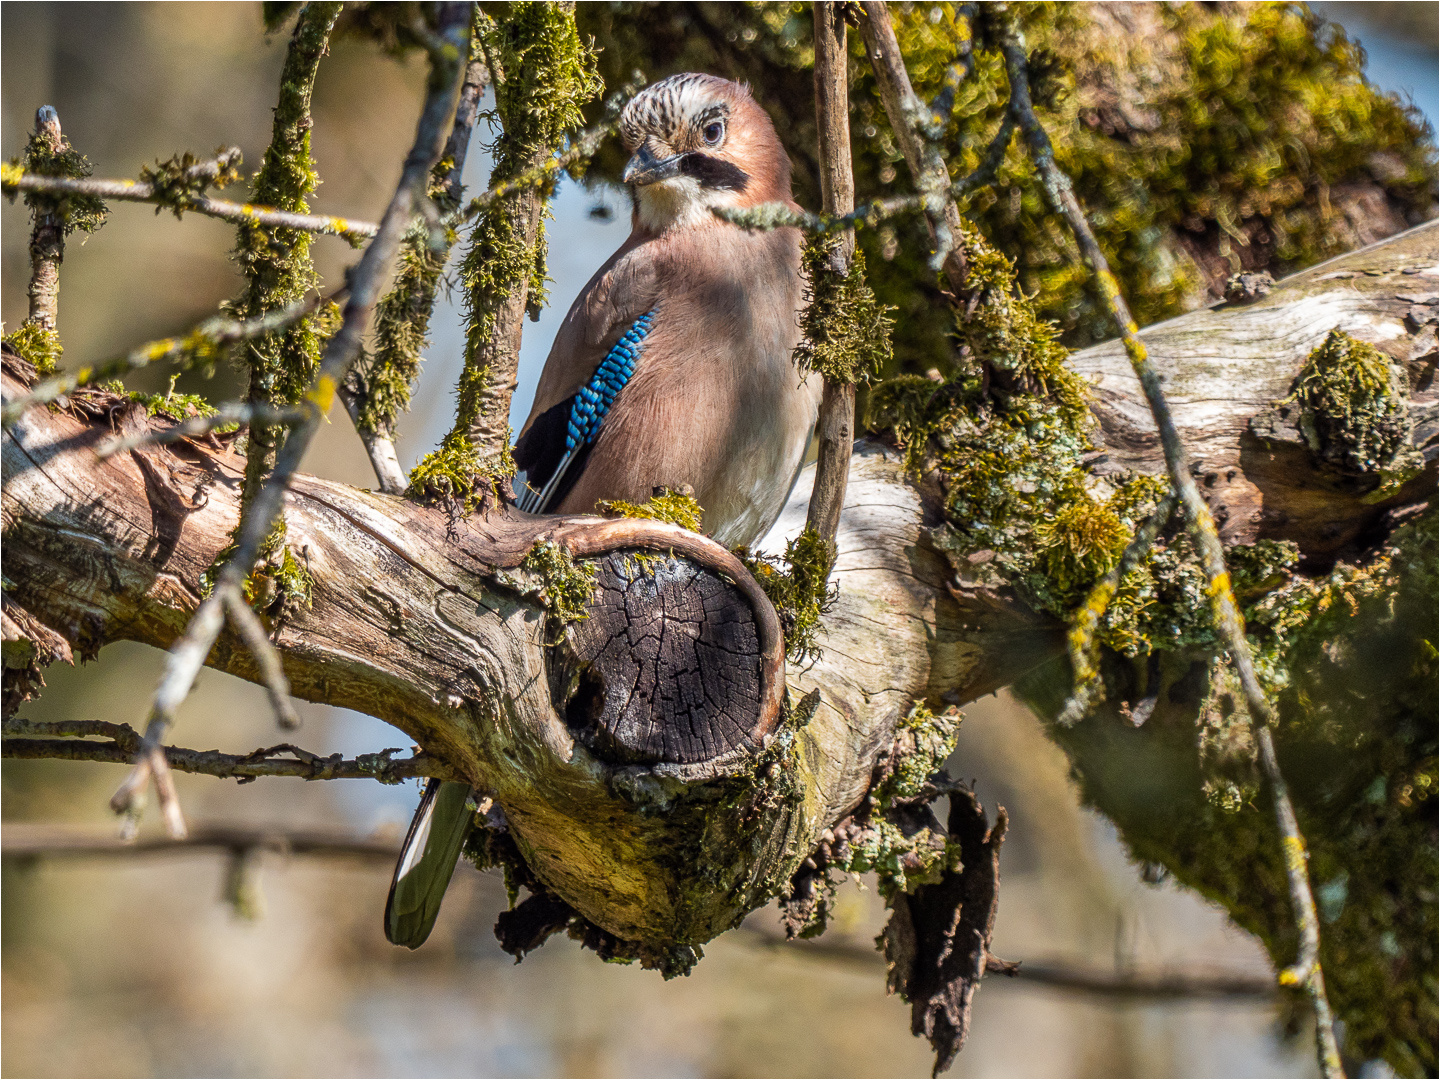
{"type": "Point", "coordinates": [835, 425]}
{"type": "Point", "coordinates": [1173, 985]}
{"type": "Point", "coordinates": [47, 238]}
{"type": "Point", "coordinates": [1083, 639]}
{"type": "Point", "coordinates": [414, 291]}
{"type": "Point", "coordinates": [227, 414]}
{"type": "Point", "coordinates": [267, 660]}
{"type": "Point", "coordinates": [910, 119]}
{"type": "Point", "coordinates": [27, 840]}
{"type": "Point", "coordinates": [188, 654]}
{"type": "Point", "coordinates": [268, 761]}
{"type": "Point", "coordinates": [1306, 970]}
{"type": "Point", "coordinates": [212, 335]}
{"type": "Point", "coordinates": [15, 180]}
{"type": "Point", "coordinates": [767, 216]}
{"type": "Point", "coordinates": [582, 147]}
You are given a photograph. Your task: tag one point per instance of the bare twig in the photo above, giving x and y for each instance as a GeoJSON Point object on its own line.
{"type": "Point", "coordinates": [188, 654]}
{"type": "Point", "coordinates": [1306, 970]}
{"type": "Point", "coordinates": [835, 427]}
{"type": "Point", "coordinates": [227, 414]}
{"type": "Point", "coordinates": [1171, 985]}
{"type": "Point", "coordinates": [202, 342]}
{"type": "Point", "coordinates": [267, 660]}
{"type": "Point", "coordinates": [27, 840]}
{"type": "Point", "coordinates": [14, 180]}
{"type": "Point", "coordinates": [58, 741]}
{"type": "Point", "coordinates": [909, 118]}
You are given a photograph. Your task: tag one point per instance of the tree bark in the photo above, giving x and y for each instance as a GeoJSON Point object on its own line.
{"type": "Point", "coordinates": [653, 819]}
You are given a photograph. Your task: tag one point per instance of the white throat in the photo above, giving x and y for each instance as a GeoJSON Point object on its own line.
{"type": "Point", "coordinates": [678, 203]}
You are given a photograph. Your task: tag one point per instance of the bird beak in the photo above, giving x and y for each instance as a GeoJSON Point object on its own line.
{"type": "Point", "coordinates": [646, 168]}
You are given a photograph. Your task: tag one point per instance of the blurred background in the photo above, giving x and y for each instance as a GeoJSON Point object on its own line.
{"type": "Point", "coordinates": [136, 967]}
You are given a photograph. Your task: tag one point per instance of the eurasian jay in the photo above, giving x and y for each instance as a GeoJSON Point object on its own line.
{"type": "Point", "coordinates": [672, 368]}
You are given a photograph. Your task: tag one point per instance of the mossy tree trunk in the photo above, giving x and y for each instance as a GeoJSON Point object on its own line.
{"type": "Point", "coordinates": [651, 781]}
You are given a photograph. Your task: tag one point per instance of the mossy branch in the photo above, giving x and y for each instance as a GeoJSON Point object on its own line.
{"type": "Point", "coordinates": [201, 345]}
{"type": "Point", "coordinates": [380, 385]}
{"type": "Point", "coordinates": [189, 652]}
{"type": "Point", "coordinates": [1306, 970]}
{"type": "Point", "coordinates": [276, 261]}
{"type": "Point", "coordinates": [49, 154]}
{"type": "Point", "coordinates": [542, 73]}
{"type": "Point", "coordinates": [15, 178]}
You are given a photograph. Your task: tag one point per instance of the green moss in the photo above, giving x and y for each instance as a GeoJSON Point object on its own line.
{"type": "Point", "coordinates": [1354, 411]}
{"type": "Point", "coordinates": [176, 190]}
{"type": "Point", "coordinates": [276, 261]}
{"type": "Point", "coordinates": [83, 212]}
{"type": "Point", "coordinates": [923, 742]}
{"type": "Point", "coordinates": [170, 405]}
{"type": "Point", "coordinates": [402, 328]}
{"type": "Point", "coordinates": [1350, 661]}
{"type": "Point", "coordinates": [37, 344]}
{"type": "Point", "coordinates": [455, 474]}
{"type": "Point", "coordinates": [566, 586]}
{"type": "Point", "coordinates": [845, 331]}
{"type": "Point", "coordinates": [1079, 545]}
{"type": "Point", "coordinates": [798, 585]}
{"type": "Point", "coordinates": [277, 586]}
{"type": "Point", "coordinates": [673, 507]}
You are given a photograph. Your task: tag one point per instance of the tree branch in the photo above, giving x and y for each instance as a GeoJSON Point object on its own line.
{"type": "Point", "coordinates": [47, 238]}
{"type": "Point", "coordinates": [15, 180]}
{"type": "Point", "coordinates": [201, 343]}
{"type": "Point", "coordinates": [189, 653]}
{"type": "Point", "coordinates": [68, 742]}
{"type": "Point", "coordinates": [835, 426]}
{"type": "Point", "coordinates": [1306, 970]}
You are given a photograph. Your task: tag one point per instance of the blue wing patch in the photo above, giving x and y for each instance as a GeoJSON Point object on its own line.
{"type": "Point", "coordinates": [591, 404]}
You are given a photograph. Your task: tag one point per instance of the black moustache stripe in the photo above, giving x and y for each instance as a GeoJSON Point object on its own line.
{"type": "Point", "coordinates": [714, 173]}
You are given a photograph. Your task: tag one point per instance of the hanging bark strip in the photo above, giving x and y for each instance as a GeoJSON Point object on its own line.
{"type": "Point", "coordinates": [1305, 971]}
{"type": "Point", "coordinates": [189, 653]}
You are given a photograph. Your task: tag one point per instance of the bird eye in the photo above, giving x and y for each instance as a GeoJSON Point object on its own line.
{"type": "Point", "coordinates": [714, 132]}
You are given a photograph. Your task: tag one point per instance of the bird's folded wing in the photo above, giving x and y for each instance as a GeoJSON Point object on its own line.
{"type": "Point", "coordinates": [427, 861]}
{"type": "Point", "coordinates": [621, 291]}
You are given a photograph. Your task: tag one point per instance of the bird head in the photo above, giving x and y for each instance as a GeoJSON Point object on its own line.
{"type": "Point", "coordinates": [698, 141]}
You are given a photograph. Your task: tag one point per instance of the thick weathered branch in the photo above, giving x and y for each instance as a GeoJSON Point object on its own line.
{"type": "Point", "coordinates": [437, 624]}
